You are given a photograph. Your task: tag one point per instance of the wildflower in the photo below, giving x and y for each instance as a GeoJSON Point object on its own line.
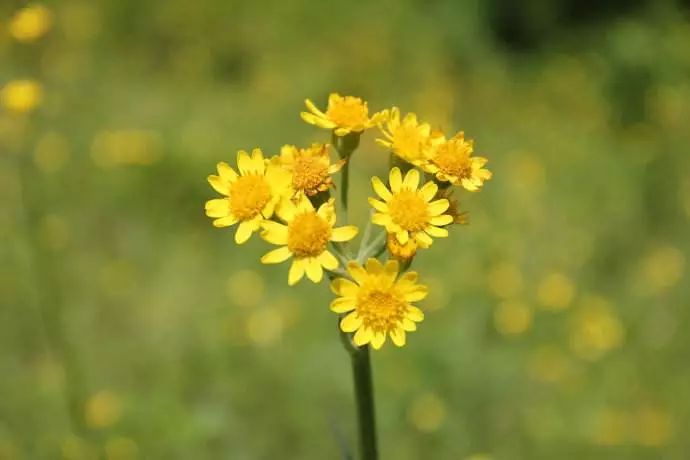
{"type": "Point", "coordinates": [452, 161]}
{"type": "Point", "coordinates": [401, 252]}
{"type": "Point", "coordinates": [311, 168]}
{"type": "Point", "coordinates": [21, 96]}
{"type": "Point", "coordinates": [344, 114]}
{"type": "Point", "coordinates": [408, 138]}
{"type": "Point", "coordinates": [409, 213]}
{"type": "Point", "coordinates": [30, 23]}
{"type": "Point", "coordinates": [378, 302]}
{"type": "Point", "coordinates": [250, 197]}
{"type": "Point", "coordinates": [305, 237]}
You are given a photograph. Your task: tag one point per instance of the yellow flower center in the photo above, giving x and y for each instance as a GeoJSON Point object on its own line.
{"type": "Point", "coordinates": [381, 310]}
{"type": "Point", "coordinates": [407, 140]}
{"type": "Point", "coordinates": [309, 173]}
{"type": "Point", "coordinates": [453, 159]}
{"type": "Point", "coordinates": [248, 196]}
{"type": "Point", "coordinates": [348, 111]}
{"type": "Point", "coordinates": [409, 210]}
{"type": "Point", "coordinates": [308, 234]}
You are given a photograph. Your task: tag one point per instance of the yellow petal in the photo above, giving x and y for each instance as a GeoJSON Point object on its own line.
{"type": "Point", "coordinates": [402, 236]}
{"type": "Point", "coordinates": [411, 181]}
{"type": "Point", "coordinates": [274, 232]}
{"type": "Point", "coordinates": [312, 108]}
{"type": "Point", "coordinates": [378, 205]}
{"type": "Point", "coordinates": [244, 231]}
{"type": "Point", "coordinates": [423, 240]}
{"type": "Point", "coordinates": [428, 191]}
{"type": "Point", "coordinates": [344, 131]}
{"type": "Point", "coordinates": [409, 325]}
{"type": "Point", "coordinates": [395, 178]}
{"type": "Point", "coordinates": [345, 233]}
{"type": "Point", "coordinates": [226, 172]}
{"type": "Point", "coordinates": [436, 232]}
{"type": "Point", "coordinates": [344, 287]}
{"type": "Point", "coordinates": [351, 322]}
{"type": "Point", "coordinates": [343, 304]}
{"type": "Point", "coordinates": [380, 189]}
{"type": "Point", "coordinates": [286, 210]}
{"type": "Point", "coordinates": [314, 270]}
{"type": "Point", "coordinates": [377, 340]}
{"type": "Point", "coordinates": [219, 207]}
{"type": "Point", "coordinates": [414, 314]}
{"type": "Point", "coordinates": [219, 185]}
{"type": "Point", "coordinates": [362, 336]}
{"type": "Point", "coordinates": [276, 256]}
{"type": "Point", "coordinates": [381, 219]}
{"type": "Point", "coordinates": [328, 260]}
{"type": "Point", "coordinates": [419, 292]}
{"type": "Point", "coordinates": [244, 163]}
{"type": "Point", "coordinates": [438, 207]}
{"type": "Point", "coordinates": [225, 221]}
{"type": "Point", "coordinates": [258, 163]}
{"type": "Point", "coordinates": [296, 271]}
{"type": "Point", "coordinates": [316, 120]}
{"type": "Point", "coordinates": [373, 266]}
{"type": "Point", "coordinates": [408, 277]}
{"type": "Point", "coordinates": [357, 272]}
{"type": "Point", "coordinates": [444, 219]}
{"type": "Point", "coordinates": [398, 336]}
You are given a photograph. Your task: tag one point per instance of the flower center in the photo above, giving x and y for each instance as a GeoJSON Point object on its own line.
{"type": "Point", "coordinates": [308, 235]}
{"type": "Point", "coordinates": [407, 140]}
{"type": "Point", "coordinates": [409, 210]}
{"type": "Point", "coordinates": [381, 310]}
{"type": "Point", "coordinates": [248, 196]}
{"type": "Point", "coordinates": [349, 111]}
{"type": "Point", "coordinates": [453, 159]}
{"type": "Point", "coordinates": [309, 173]}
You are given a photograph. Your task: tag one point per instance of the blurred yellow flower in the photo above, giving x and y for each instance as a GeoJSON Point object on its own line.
{"type": "Point", "coordinates": [427, 413]}
{"type": "Point", "coordinates": [555, 291]}
{"type": "Point", "coordinates": [653, 426]}
{"type": "Point", "coordinates": [251, 196]}
{"type": "Point", "coordinates": [512, 318]}
{"type": "Point", "coordinates": [505, 280]}
{"type": "Point", "coordinates": [311, 168]}
{"type": "Point", "coordinates": [378, 302]}
{"type": "Point", "coordinates": [305, 238]}
{"type": "Point", "coordinates": [344, 114]}
{"type": "Point", "coordinates": [121, 448]}
{"type": "Point", "coordinates": [452, 161]}
{"type": "Point", "coordinates": [407, 212]}
{"type": "Point", "coordinates": [407, 138]}
{"type": "Point", "coordinates": [596, 329]}
{"type": "Point", "coordinates": [21, 96]}
{"type": "Point", "coordinates": [30, 23]}
{"type": "Point", "coordinates": [103, 409]}
{"type": "Point", "coordinates": [139, 147]}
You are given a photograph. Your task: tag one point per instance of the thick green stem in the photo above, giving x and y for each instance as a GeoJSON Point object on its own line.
{"type": "Point", "coordinates": [364, 395]}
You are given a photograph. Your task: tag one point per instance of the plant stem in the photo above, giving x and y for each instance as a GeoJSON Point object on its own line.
{"type": "Point", "coordinates": [364, 395]}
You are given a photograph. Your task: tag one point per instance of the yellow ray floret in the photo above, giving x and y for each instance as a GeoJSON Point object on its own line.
{"type": "Point", "coordinates": [305, 237]}
{"type": "Point", "coordinates": [250, 196]}
{"type": "Point", "coordinates": [452, 161]}
{"type": "Point", "coordinates": [311, 168]}
{"type": "Point", "coordinates": [407, 138]}
{"type": "Point", "coordinates": [378, 303]}
{"type": "Point", "coordinates": [344, 115]}
{"type": "Point", "coordinates": [409, 212]}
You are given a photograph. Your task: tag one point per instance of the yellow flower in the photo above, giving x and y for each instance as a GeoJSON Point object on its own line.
{"type": "Point", "coordinates": [305, 238]}
{"type": "Point", "coordinates": [452, 161]}
{"type": "Point", "coordinates": [344, 114]}
{"type": "Point", "coordinates": [30, 23]}
{"type": "Point", "coordinates": [21, 96]}
{"type": "Point", "coordinates": [407, 212]}
{"type": "Point", "coordinates": [379, 302]}
{"type": "Point", "coordinates": [407, 138]}
{"type": "Point", "coordinates": [311, 168]}
{"type": "Point", "coordinates": [401, 252]}
{"type": "Point", "coordinates": [250, 197]}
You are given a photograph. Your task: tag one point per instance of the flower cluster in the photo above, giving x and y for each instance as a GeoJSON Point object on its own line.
{"type": "Point", "coordinates": [287, 199]}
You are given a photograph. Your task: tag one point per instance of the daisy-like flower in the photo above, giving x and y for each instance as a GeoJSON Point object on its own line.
{"type": "Point", "coordinates": [305, 237]}
{"type": "Point", "coordinates": [452, 161]}
{"type": "Point", "coordinates": [379, 302]}
{"type": "Point", "coordinates": [311, 168]}
{"type": "Point", "coordinates": [407, 138]}
{"type": "Point", "coordinates": [250, 196]}
{"type": "Point", "coordinates": [407, 212]}
{"type": "Point", "coordinates": [344, 114]}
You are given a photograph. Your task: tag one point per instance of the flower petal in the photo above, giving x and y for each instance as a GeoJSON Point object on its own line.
{"type": "Point", "coordinates": [414, 314]}
{"type": "Point", "coordinates": [436, 232]}
{"type": "Point", "coordinates": [417, 293]}
{"type": "Point", "coordinates": [423, 240]}
{"type": "Point", "coordinates": [380, 189]}
{"type": "Point", "coordinates": [276, 256]}
{"type": "Point", "coordinates": [429, 190]}
{"type": "Point", "coordinates": [344, 287]}
{"type": "Point", "coordinates": [378, 340]}
{"type": "Point", "coordinates": [373, 266]}
{"type": "Point", "coordinates": [398, 336]}
{"type": "Point", "coordinates": [357, 272]}
{"type": "Point", "coordinates": [343, 304]}
{"type": "Point", "coordinates": [314, 270]}
{"type": "Point", "coordinates": [351, 322]}
{"type": "Point", "coordinates": [274, 232]}
{"type": "Point", "coordinates": [438, 207]}
{"type": "Point", "coordinates": [219, 184]}
{"type": "Point", "coordinates": [244, 163]}
{"type": "Point", "coordinates": [411, 181]}
{"type": "Point", "coordinates": [443, 219]}
{"type": "Point", "coordinates": [328, 260]}
{"type": "Point", "coordinates": [395, 179]}
{"type": "Point", "coordinates": [296, 271]}
{"type": "Point", "coordinates": [244, 231]}
{"type": "Point", "coordinates": [225, 221]}
{"type": "Point", "coordinates": [409, 325]}
{"type": "Point", "coordinates": [380, 206]}
{"type": "Point", "coordinates": [345, 233]}
{"type": "Point", "coordinates": [218, 207]}
{"type": "Point", "coordinates": [362, 336]}
{"type": "Point", "coordinates": [226, 172]}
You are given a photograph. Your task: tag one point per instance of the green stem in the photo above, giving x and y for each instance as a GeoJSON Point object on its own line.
{"type": "Point", "coordinates": [364, 395]}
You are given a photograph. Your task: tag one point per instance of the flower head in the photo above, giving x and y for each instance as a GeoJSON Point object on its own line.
{"type": "Point", "coordinates": [407, 212]}
{"type": "Point", "coordinates": [305, 237]}
{"type": "Point", "coordinates": [21, 96]}
{"type": "Point", "coordinates": [311, 168]}
{"type": "Point", "coordinates": [250, 196]}
{"type": "Point", "coordinates": [452, 161]}
{"type": "Point", "coordinates": [378, 302]}
{"type": "Point", "coordinates": [407, 138]}
{"type": "Point", "coordinates": [401, 252]}
{"type": "Point", "coordinates": [30, 23]}
{"type": "Point", "coordinates": [344, 114]}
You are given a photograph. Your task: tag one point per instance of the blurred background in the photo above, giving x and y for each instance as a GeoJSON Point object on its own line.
{"type": "Point", "coordinates": [131, 328]}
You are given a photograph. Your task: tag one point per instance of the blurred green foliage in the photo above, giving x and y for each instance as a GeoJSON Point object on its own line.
{"type": "Point", "coordinates": [130, 328]}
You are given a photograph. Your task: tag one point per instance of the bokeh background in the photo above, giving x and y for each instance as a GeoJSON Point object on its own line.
{"type": "Point", "coordinates": [131, 328]}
